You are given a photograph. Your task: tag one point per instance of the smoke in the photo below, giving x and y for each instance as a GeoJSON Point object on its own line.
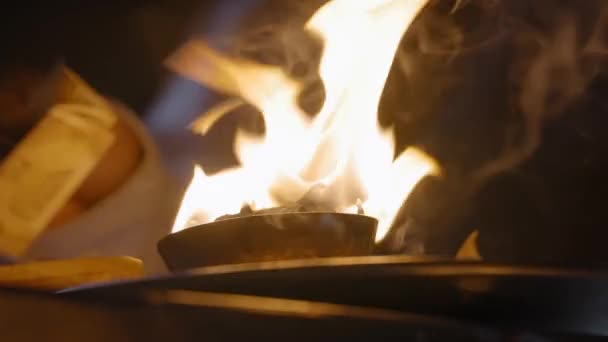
{"type": "Point", "coordinates": [552, 70]}
{"type": "Point", "coordinates": [499, 71]}
{"type": "Point", "coordinates": [554, 48]}
{"type": "Point", "coordinates": [277, 36]}
{"type": "Point", "coordinates": [476, 81]}
{"type": "Point", "coordinates": [283, 42]}
{"type": "Point", "coordinates": [475, 84]}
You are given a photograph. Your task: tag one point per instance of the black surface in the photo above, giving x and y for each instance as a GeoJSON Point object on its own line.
{"type": "Point", "coordinates": [547, 299]}
{"type": "Point", "coordinates": [197, 316]}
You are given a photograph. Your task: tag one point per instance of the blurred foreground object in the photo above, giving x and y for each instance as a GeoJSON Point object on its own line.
{"type": "Point", "coordinates": [110, 195]}
{"type": "Point", "coordinates": [48, 165]}
{"type": "Point", "coordinates": [59, 274]}
{"type": "Point", "coordinates": [127, 203]}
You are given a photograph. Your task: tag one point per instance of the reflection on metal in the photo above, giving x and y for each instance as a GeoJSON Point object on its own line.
{"type": "Point", "coordinates": [290, 307]}
{"type": "Point", "coordinates": [269, 237]}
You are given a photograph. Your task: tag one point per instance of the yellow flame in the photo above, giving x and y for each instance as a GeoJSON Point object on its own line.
{"type": "Point", "coordinates": [342, 147]}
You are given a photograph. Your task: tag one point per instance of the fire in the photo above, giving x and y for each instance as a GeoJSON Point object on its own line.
{"type": "Point", "coordinates": [342, 148]}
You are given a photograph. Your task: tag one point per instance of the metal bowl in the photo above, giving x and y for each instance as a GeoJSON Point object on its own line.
{"type": "Point", "coordinates": [269, 237]}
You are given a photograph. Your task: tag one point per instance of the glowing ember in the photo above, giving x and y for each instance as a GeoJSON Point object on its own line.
{"type": "Point", "coordinates": [342, 147]}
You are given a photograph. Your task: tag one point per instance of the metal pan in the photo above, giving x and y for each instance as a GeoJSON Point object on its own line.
{"type": "Point", "coordinates": [269, 237]}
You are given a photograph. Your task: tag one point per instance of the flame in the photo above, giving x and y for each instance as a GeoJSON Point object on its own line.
{"type": "Point", "coordinates": [342, 148]}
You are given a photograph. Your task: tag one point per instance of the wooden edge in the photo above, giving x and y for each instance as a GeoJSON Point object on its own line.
{"type": "Point", "coordinates": [58, 274]}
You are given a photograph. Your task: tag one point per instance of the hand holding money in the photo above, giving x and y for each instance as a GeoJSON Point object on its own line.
{"type": "Point", "coordinates": [65, 149]}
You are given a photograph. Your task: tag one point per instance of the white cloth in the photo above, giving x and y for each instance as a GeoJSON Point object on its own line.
{"type": "Point", "coordinates": [128, 222]}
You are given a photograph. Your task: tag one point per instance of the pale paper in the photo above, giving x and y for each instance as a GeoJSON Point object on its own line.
{"type": "Point", "coordinates": [46, 168]}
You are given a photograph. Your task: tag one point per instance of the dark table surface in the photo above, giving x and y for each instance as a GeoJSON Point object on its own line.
{"type": "Point", "coordinates": [544, 299]}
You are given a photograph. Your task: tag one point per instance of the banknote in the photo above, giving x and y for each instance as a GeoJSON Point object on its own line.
{"type": "Point", "coordinates": [48, 165]}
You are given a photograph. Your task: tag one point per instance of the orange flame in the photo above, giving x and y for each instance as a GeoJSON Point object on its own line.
{"type": "Point", "coordinates": [342, 147]}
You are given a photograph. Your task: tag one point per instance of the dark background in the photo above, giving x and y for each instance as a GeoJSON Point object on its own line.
{"type": "Point", "coordinates": [116, 46]}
